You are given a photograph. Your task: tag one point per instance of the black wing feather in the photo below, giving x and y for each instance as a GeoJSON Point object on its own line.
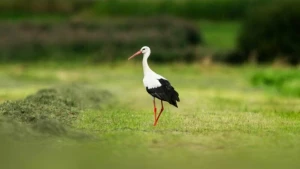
{"type": "Point", "coordinates": [165, 92]}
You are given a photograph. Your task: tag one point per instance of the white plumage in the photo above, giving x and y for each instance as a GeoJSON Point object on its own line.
{"type": "Point", "coordinates": [150, 79]}
{"type": "Point", "coordinates": [151, 82]}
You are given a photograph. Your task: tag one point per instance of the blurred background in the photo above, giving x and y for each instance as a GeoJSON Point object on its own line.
{"type": "Point", "coordinates": [225, 31]}
{"type": "Point", "coordinates": [231, 32]}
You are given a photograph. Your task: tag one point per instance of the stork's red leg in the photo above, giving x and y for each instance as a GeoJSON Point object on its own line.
{"type": "Point", "coordinates": [154, 109]}
{"type": "Point", "coordinates": [161, 110]}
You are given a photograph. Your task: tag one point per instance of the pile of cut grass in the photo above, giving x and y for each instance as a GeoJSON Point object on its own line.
{"type": "Point", "coordinates": [53, 110]}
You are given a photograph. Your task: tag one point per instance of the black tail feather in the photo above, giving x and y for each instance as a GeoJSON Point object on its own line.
{"type": "Point", "coordinates": [174, 103]}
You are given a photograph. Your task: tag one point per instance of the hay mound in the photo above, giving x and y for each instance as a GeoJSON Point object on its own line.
{"type": "Point", "coordinates": [51, 110]}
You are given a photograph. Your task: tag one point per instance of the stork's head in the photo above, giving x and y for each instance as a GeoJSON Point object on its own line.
{"type": "Point", "coordinates": [144, 50]}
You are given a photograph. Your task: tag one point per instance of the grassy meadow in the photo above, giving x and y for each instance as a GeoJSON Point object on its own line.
{"type": "Point", "coordinates": [222, 120]}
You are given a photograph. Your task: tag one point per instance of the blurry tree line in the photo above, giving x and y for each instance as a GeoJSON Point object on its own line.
{"type": "Point", "coordinates": [270, 29]}
{"type": "Point", "coordinates": [108, 40]}
{"type": "Point", "coordinates": [197, 9]}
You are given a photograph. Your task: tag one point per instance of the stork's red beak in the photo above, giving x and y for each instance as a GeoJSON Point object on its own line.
{"type": "Point", "coordinates": [134, 55]}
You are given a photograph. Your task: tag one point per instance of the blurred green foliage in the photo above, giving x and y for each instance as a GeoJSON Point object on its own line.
{"type": "Point", "coordinates": [196, 9]}
{"type": "Point", "coordinates": [35, 7]}
{"type": "Point", "coordinates": [172, 39]}
{"type": "Point", "coordinates": [286, 82]}
{"type": "Point", "coordinates": [272, 31]}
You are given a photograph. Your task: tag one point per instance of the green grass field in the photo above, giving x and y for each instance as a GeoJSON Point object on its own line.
{"type": "Point", "coordinates": [222, 121]}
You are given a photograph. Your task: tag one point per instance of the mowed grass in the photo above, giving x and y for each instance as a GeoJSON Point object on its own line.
{"type": "Point", "coordinates": [222, 121]}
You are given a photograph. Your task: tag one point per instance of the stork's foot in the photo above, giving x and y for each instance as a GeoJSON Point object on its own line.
{"type": "Point", "coordinates": [155, 122]}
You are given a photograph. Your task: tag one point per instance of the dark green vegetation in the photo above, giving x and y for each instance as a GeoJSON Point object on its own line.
{"type": "Point", "coordinates": [172, 40]}
{"type": "Point", "coordinates": [271, 32]}
{"type": "Point", "coordinates": [196, 9]}
{"type": "Point", "coordinates": [19, 8]}
{"type": "Point", "coordinates": [99, 30]}
{"type": "Point", "coordinates": [221, 117]}
{"type": "Point", "coordinates": [51, 110]}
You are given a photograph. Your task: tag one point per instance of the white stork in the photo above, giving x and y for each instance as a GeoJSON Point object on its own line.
{"type": "Point", "coordinates": [156, 85]}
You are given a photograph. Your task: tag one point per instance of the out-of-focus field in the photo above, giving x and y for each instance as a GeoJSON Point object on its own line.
{"type": "Point", "coordinates": [220, 35]}
{"type": "Point", "coordinates": [222, 121]}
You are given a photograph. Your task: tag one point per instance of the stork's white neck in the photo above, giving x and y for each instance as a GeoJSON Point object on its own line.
{"type": "Point", "coordinates": [146, 67]}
